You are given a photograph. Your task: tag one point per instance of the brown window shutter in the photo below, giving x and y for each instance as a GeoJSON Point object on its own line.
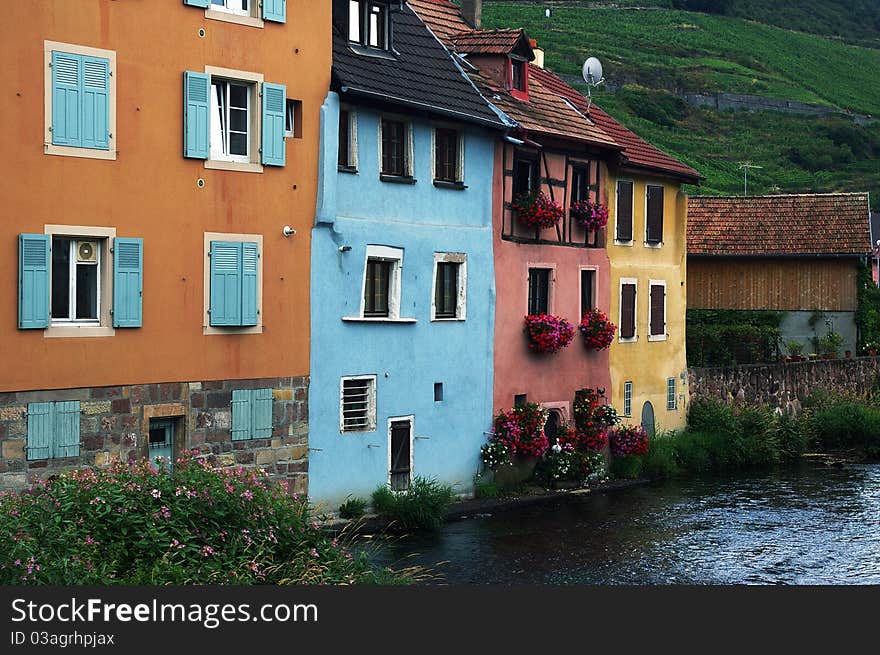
{"type": "Point", "coordinates": [624, 210]}
{"type": "Point", "coordinates": [655, 215]}
{"type": "Point", "coordinates": [628, 311]}
{"type": "Point", "coordinates": [658, 315]}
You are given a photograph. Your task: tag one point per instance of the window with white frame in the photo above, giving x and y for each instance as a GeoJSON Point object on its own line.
{"type": "Point", "coordinates": [448, 155]}
{"type": "Point", "coordinates": [237, 7]}
{"type": "Point", "coordinates": [231, 132]}
{"type": "Point", "coordinates": [381, 296]}
{"type": "Point", "coordinates": [671, 401]}
{"type": "Point", "coordinates": [657, 310]}
{"type": "Point", "coordinates": [347, 154]}
{"type": "Point", "coordinates": [369, 24]}
{"type": "Point", "coordinates": [450, 287]}
{"type": "Point", "coordinates": [396, 148]}
{"type": "Point", "coordinates": [293, 119]}
{"type": "Point", "coordinates": [76, 279]}
{"type": "Point", "coordinates": [627, 398]}
{"type": "Point", "coordinates": [357, 404]}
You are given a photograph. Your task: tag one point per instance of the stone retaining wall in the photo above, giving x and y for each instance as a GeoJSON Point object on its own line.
{"type": "Point", "coordinates": [784, 385]}
{"type": "Point", "coordinates": [114, 426]}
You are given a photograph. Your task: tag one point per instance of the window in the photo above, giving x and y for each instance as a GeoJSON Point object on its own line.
{"type": "Point", "coordinates": [368, 23]}
{"type": "Point", "coordinates": [627, 398]}
{"type": "Point", "coordinates": [624, 211]}
{"type": "Point", "coordinates": [357, 407]}
{"type": "Point", "coordinates": [400, 452]}
{"type": "Point", "coordinates": [657, 311]}
{"type": "Point", "coordinates": [539, 291]}
{"type": "Point", "coordinates": [518, 74]}
{"type": "Point", "coordinates": [53, 430]}
{"type": "Point", "coordinates": [243, 12]}
{"type": "Point", "coordinates": [588, 285]}
{"type": "Point", "coordinates": [447, 155]}
{"type": "Point", "coordinates": [520, 400]}
{"type": "Point", "coordinates": [251, 414]}
{"type": "Point", "coordinates": [580, 184]}
{"type": "Point", "coordinates": [238, 7]}
{"type": "Point", "coordinates": [71, 284]}
{"type": "Point", "coordinates": [381, 297]}
{"type": "Point", "coordinates": [236, 121]}
{"type": "Point", "coordinates": [438, 392]}
{"type": "Point", "coordinates": [628, 309]}
{"type": "Point", "coordinates": [395, 148]}
{"type": "Point", "coordinates": [654, 215]}
{"type": "Point", "coordinates": [450, 286]}
{"type": "Point", "coordinates": [347, 158]}
{"type": "Point", "coordinates": [80, 101]}
{"type": "Point", "coordinates": [233, 283]}
{"type": "Point", "coordinates": [671, 400]}
{"type": "Point", "coordinates": [525, 176]}
{"type": "Point", "coordinates": [293, 119]}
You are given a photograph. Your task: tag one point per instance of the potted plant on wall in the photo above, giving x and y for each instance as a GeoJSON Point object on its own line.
{"type": "Point", "coordinates": [537, 211]}
{"type": "Point", "coordinates": [548, 333]}
{"type": "Point", "coordinates": [871, 348]}
{"type": "Point", "coordinates": [830, 344]}
{"type": "Point", "coordinates": [794, 348]}
{"type": "Point", "coordinates": [592, 215]}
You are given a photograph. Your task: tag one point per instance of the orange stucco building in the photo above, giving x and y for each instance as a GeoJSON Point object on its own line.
{"type": "Point", "coordinates": [178, 141]}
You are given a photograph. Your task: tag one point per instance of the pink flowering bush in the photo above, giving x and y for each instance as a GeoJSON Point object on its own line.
{"type": "Point", "coordinates": [592, 215]}
{"type": "Point", "coordinates": [536, 210]}
{"type": "Point", "coordinates": [628, 440]}
{"type": "Point", "coordinates": [548, 333]}
{"type": "Point", "coordinates": [521, 430]}
{"type": "Point", "coordinates": [196, 524]}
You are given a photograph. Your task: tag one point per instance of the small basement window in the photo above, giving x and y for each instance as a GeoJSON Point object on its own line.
{"type": "Point", "coordinates": [357, 411]}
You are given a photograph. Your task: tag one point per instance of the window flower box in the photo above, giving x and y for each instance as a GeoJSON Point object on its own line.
{"type": "Point", "coordinates": [548, 333]}
{"type": "Point", "coordinates": [597, 330]}
{"type": "Point", "coordinates": [537, 211]}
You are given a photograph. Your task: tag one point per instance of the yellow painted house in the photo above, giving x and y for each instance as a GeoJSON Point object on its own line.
{"type": "Point", "coordinates": [646, 243]}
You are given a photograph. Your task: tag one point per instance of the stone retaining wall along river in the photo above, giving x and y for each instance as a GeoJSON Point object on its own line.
{"type": "Point", "coordinates": [784, 385]}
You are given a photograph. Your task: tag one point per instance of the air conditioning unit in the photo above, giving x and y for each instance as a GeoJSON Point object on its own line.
{"type": "Point", "coordinates": [87, 251]}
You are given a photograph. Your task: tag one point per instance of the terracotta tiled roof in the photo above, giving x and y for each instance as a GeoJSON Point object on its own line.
{"type": "Point", "coordinates": [443, 17]}
{"type": "Point", "coordinates": [487, 42]}
{"type": "Point", "coordinates": [820, 224]}
{"type": "Point", "coordinates": [637, 151]}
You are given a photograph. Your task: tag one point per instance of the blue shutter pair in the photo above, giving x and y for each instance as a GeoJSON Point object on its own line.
{"type": "Point", "coordinates": [233, 281]}
{"type": "Point", "coordinates": [251, 414]}
{"type": "Point", "coordinates": [273, 10]}
{"type": "Point", "coordinates": [197, 123]}
{"type": "Point", "coordinates": [80, 101]}
{"type": "Point", "coordinates": [53, 430]}
{"type": "Point", "coordinates": [34, 257]}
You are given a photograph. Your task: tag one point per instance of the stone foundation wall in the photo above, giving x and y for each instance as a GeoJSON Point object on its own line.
{"type": "Point", "coordinates": [114, 426]}
{"type": "Point", "coordinates": [784, 385]}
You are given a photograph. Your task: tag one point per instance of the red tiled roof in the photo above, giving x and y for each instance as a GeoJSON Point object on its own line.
{"type": "Point", "coordinates": [820, 224]}
{"type": "Point", "coordinates": [487, 42]}
{"type": "Point", "coordinates": [443, 17]}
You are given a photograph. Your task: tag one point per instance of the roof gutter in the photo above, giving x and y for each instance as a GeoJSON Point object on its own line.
{"type": "Point", "coordinates": [422, 105]}
{"type": "Point", "coordinates": [809, 255]}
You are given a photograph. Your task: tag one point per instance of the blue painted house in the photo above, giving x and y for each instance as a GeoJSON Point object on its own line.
{"type": "Point", "coordinates": [402, 299]}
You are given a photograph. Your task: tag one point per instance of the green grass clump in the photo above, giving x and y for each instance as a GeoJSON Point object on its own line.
{"type": "Point", "coordinates": [660, 460]}
{"type": "Point", "coordinates": [422, 506]}
{"type": "Point", "coordinates": [352, 508]}
{"type": "Point", "coordinates": [628, 467]}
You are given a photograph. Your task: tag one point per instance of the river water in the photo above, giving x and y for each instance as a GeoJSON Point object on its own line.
{"type": "Point", "coordinates": [809, 525]}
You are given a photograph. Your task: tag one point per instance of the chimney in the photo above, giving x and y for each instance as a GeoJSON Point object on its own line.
{"type": "Point", "coordinates": [538, 52]}
{"type": "Point", "coordinates": [472, 11]}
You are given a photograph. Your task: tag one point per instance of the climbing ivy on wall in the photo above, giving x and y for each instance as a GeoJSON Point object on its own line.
{"type": "Point", "coordinates": [721, 337]}
{"type": "Point", "coordinates": [868, 308]}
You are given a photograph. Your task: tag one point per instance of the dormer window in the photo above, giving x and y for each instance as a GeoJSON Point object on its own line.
{"type": "Point", "coordinates": [518, 75]}
{"type": "Point", "coordinates": [368, 23]}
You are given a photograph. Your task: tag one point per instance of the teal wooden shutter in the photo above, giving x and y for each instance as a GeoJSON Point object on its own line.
{"type": "Point", "coordinates": [196, 116]}
{"type": "Point", "coordinates": [95, 103]}
{"type": "Point", "coordinates": [197, 3]}
{"type": "Point", "coordinates": [241, 414]}
{"type": "Point", "coordinates": [39, 430]}
{"type": "Point", "coordinates": [33, 281]}
{"type": "Point", "coordinates": [66, 428]}
{"type": "Point", "coordinates": [261, 404]}
{"type": "Point", "coordinates": [274, 101]}
{"type": "Point", "coordinates": [66, 99]}
{"type": "Point", "coordinates": [249, 266]}
{"type": "Point", "coordinates": [225, 294]}
{"type": "Point", "coordinates": [275, 10]}
{"type": "Point", "coordinates": [128, 282]}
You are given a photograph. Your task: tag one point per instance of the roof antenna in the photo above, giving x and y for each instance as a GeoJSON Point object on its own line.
{"type": "Point", "coordinates": [592, 72]}
{"type": "Point", "coordinates": [745, 166]}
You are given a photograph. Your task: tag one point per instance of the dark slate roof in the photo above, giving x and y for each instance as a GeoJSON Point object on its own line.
{"type": "Point", "coordinates": [419, 74]}
{"type": "Point", "coordinates": [807, 224]}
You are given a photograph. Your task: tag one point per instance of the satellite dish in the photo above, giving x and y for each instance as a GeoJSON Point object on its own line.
{"type": "Point", "coordinates": [592, 71]}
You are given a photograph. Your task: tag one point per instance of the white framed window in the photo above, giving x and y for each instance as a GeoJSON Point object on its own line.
{"type": "Point", "coordinates": [589, 288]}
{"type": "Point", "coordinates": [369, 24]}
{"type": "Point", "coordinates": [656, 310]}
{"type": "Point", "coordinates": [79, 101]}
{"type": "Point", "coordinates": [241, 12]}
{"type": "Point", "coordinates": [654, 206]}
{"type": "Point", "coordinates": [357, 403]}
{"type": "Point", "coordinates": [381, 287]}
{"type": "Point", "coordinates": [448, 156]}
{"type": "Point", "coordinates": [627, 398]}
{"type": "Point", "coordinates": [235, 118]}
{"type": "Point", "coordinates": [237, 7]}
{"type": "Point", "coordinates": [293, 119]}
{"type": "Point", "coordinates": [449, 301]}
{"type": "Point", "coordinates": [671, 398]}
{"type": "Point", "coordinates": [81, 281]}
{"type": "Point", "coordinates": [348, 142]}
{"type": "Point", "coordinates": [628, 319]}
{"type": "Point", "coordinates": [395, 149]}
